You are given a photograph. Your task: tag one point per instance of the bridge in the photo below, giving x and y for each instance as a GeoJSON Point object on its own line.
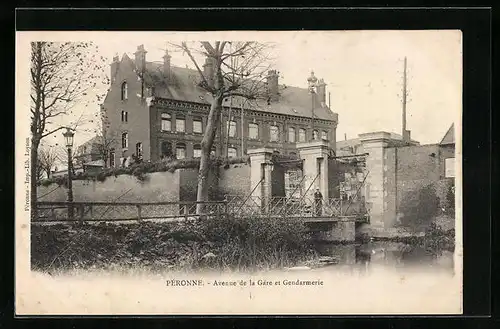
{"type": "Point", "coordinates": [281, 186]}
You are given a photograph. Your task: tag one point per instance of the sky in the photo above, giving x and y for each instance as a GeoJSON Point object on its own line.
{"type": "Point", "coordinates": [363, 71]}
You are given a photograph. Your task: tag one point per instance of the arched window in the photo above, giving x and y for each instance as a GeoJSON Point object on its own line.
{"type": "Point", "coordinates": [124, 90]}
{"type": "Point", "coordinates": [125, 140]}
{"type": "Point", "coordinates": [231, 152]}
{"type": "Point", "coordinates": [197, 151]}
{"type": "Point", "coordinates": [253, 131]}
{"type": "Point", "coordinates": [166, 149]}
{"type": "Point", "coordinates": [291, 135]}
{"type": "Point", "coordinates": [324, 135]}
{"type": "Point", "coordinates": [315, 135]}
{"type": "Point", "coordinates": [112, 157]}
{"type": "Point", "coordinates": [138, 150]}
{"type": "Point", "coordinates": [124, 116]}
{"type": "Point", "coordinates": [180, 151]}
{"type": "Point", "coordinates": [302, 135]}
{"type": "Point", "coordinates": [166, 123]}
{"type": "Point", "coordinates": [274, 133]}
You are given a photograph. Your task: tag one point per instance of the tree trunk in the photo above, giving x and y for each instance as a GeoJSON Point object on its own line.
{"type": "Point", "coordinates": [213, 122]}
{"type": "Point", "coordinates": [33, 175]}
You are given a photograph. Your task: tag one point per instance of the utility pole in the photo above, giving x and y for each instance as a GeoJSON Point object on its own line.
{"type": "Point", "coordinates": [242, 128]}
{"type": "Point", "coordinates": [404, 102]}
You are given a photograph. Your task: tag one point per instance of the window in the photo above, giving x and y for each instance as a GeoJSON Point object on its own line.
{"type": "Point", "coordinates": [166, 123]}
{"type": "Point", "coordinates": [125, 140]}
{"type": "Point", "coordinates": [274, 133]}
{"type": "Point", "coordinates": [166, 149]}
{"type": "Point", "coordinates": [291, 135]}
{"type": "Point", "coordinates": [198, 126]}
{"type": "Point", "coordinates": [324, 135]}
{"type": "Point", "coordinates": [138, 150]}
{"type": "Point", "coordinates": [124, 116]}
{"type": "Point", "coordinates": [197, 151]}
{"type": "Point", "coordinates": [180, 125]}
{"type": "Point", "coordinates": [232, 128]}
{"type": "Point", "coordinates": [315, 135]}
{"type": "Point", "coordinates": [231, 152]}
{"type": "Point", "coordinates": [112, 157]}
{"type": "Point", "coordinates": [124, 91]}
{"type": "Point", "coordinates": [253, 131]}
{"type": "Point", "coordinates": [302, 135]}
{"type": "Point", "coordinates": [449, 167]}
{"type": "Point", "coordinates": [180, 151]}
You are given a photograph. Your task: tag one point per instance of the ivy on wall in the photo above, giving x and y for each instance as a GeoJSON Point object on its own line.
{"type": "Point", "coordinates": [140, 170]}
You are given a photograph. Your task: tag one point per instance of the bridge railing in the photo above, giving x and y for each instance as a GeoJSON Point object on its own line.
{"type": "Point", "coordinates": [46, 211]}
{"type": "Point", "coordinates": [305, 206]}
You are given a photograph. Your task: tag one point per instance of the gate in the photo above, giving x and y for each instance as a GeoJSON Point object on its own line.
{"type": "Point", "coordinates": [349, 201]}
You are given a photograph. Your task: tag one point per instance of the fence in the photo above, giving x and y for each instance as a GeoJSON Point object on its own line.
{"type": "Point", "coordinates": [237, 206]}
{"type": "Point", "coordinates": [125, 211]}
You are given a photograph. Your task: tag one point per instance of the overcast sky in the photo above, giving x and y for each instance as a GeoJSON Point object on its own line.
{"type": "Point", "coordinates": [363, 71]}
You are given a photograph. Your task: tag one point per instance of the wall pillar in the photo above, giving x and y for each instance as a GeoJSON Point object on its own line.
{"type": "Point", "coordinates": [260, 168]}
{"type": "Point", "coordinates": [315, 157]}
{"type": "Point", "coordinates": [374, 144]}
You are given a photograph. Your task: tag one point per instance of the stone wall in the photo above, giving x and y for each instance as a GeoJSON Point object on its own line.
{"type": "Point", "coordinates": [235, 180]}
{"type": "Point", "coordinates": [416, 189]}
{"type": "Point", "coordinates": [160, 186]}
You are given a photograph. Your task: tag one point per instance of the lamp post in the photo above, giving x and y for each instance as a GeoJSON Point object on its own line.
{"type": "Point", "coordinates": [312, 82]}
{"type": "Point", "coordinates": [68, 137]}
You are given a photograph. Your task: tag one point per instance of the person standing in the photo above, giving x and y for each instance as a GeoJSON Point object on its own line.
{"type": "Point", "coordinates": [318, 202]}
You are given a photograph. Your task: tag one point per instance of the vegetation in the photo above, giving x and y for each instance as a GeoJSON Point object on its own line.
{"type": "Point", "coordinates": [222, 244]}
{"type": "Point", "coordinates": [140, 170]}
{"type": "Point", "coordinates": [62, 74]}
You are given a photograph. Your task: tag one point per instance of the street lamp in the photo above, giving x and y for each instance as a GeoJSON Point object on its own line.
{"type": "Point", "coordinates": [68, 138]}
{"type": "Point", "coordinates": [312, 82]}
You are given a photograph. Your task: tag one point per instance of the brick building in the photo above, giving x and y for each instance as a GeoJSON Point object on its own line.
{"type": "Point", "coordinates": [164, 113]}
{"type": "Point", "coordinates": [87, 152]}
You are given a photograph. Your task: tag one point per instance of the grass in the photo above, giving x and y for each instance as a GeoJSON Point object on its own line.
{"type": "Point", "coordinates": [224, 244]}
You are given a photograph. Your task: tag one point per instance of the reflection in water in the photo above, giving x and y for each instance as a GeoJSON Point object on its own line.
{"type": "Point", "coordinates": [361, 257]}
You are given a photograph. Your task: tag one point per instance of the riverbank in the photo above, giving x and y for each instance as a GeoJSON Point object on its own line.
{"type": "Point", "coordinates": [223, 244]}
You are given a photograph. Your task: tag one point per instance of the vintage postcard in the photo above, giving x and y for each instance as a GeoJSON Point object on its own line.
{"type": "Point", "coordinates": [238, 173]}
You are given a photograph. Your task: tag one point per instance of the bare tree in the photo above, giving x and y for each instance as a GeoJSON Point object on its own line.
{"type": "Point", "coordinates": [231, 69]}
{"type": "Point", "coordinates": [106, 139]}
{"type": "Point", "coordinates": [61, 74]}
{"type": "Point", "coordinates": [47, 158]}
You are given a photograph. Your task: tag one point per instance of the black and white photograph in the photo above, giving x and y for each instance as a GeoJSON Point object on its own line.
{"type": "Point", "coordinates": [238, 172]}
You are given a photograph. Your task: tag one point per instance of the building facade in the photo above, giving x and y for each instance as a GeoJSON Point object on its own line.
{"type": "Point", "coordinates": [156, 110]}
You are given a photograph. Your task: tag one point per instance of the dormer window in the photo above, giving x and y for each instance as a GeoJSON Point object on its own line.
{"type": "Point", "coordinates": [124, 91]}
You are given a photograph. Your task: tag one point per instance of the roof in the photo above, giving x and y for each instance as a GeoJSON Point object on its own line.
{"type": "Point", "coordinates": [449, 137]}
{"type": "Point", "coordinates": [183, 86]}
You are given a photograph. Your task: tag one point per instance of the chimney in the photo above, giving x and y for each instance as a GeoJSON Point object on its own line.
{"type": "Point", "coordinates": [321, 91]}
{"type": "Point", "coordinates": [140, 59]}
{"type": "Point", "coordinates": [114, 67]}
{"type": "Point", "coordinates": [208, 71]}
{"type": "Point", "coordinates": [166, 65]}
{"type": "Point", "coordinates": [272, 85]}
{"type": "Point", "coordinates": [406, 136]}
